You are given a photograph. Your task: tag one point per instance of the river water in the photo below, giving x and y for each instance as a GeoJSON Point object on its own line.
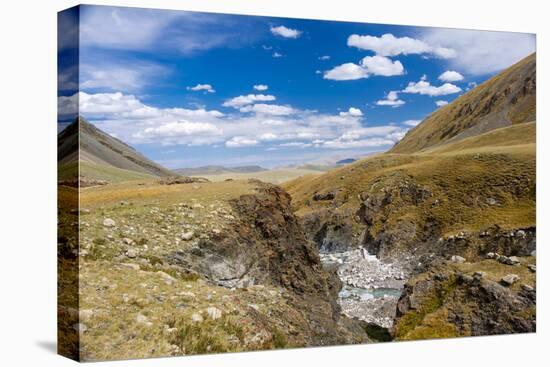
{"type": "Point", "coordinates": [371, 288]}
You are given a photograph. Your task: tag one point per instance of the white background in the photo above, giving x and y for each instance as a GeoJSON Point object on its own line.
{"type": "Point", "coordinates": [28, 181]}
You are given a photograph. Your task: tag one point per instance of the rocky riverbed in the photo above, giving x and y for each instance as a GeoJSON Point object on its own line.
{"type": "Point", "coordinates": [371, 287]}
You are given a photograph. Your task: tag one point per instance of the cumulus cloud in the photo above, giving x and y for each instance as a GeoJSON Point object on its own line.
{"type": "Point", "coordinates": [268, 109]}
{"type": "Point", "coordinates": [347, 71]}
{"type": "Point", "coordinates": [425, 88]}
{"type": "Point", "coordinates": [237, 102]}
{"type": "Point", "coordinates": [392, 99]}
{"type": "Point", "coordinates": [441, 103]}
{"type": "Point", "coordinates": [352, 111]}
{"type": "Point", "coordinates": [261, 87]}
{"type": "Point", "coordinates": [268, 125]}
{"type": "Point", "coordinates": [380, 65]}
{"type": "Point", "coordinates": [482, 52]}
{"type": "Point", "coordinates": [240, 141]}
{"type": "Point", "coordinates": [285, 32]}
{"type": "Point", "coordinates": [207, 88]}
{"type": "Point", "coordinates": [451, 76]}
{"type": "Point", "coordinates": [126, 75]}
{"type": "Point", "coordinates": [389, 45]}
{"type": "Point", "coordinates": [412, 123]}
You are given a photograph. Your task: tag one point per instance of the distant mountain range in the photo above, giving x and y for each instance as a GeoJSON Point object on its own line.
{"type": "Point", "coordinates": [217, 170]}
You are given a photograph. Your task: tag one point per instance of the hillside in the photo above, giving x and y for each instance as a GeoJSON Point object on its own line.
{"type": "Point", "coordinates": [504, 100]}
{"type": "Point", "coordinates": [101, 156]}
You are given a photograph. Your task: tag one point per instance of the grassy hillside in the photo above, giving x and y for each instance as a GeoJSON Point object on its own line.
{"type": "Point", "coordinates": [503, 100]}
{"type": "Point", "coordinates": [470, 185]}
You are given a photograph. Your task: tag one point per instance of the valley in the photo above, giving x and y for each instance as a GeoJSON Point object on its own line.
{"type": "Point", "coordinates": [435, 238]}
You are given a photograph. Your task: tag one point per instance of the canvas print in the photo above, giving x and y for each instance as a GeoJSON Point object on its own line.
{"type": "Point", "coordinates": [232, 183]}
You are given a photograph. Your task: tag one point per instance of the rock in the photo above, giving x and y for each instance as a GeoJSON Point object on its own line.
{"type": "Point", "coordinates": [187, 294]}
{"type": "Point", "coordinates": [490, 255]}
{"type": "Point", "coordinates": [127, 241]}
{"type": "Point", "coordinates": [479, 275]}
{"type": "Point", "coordinates": [186, 236]}
{"type": "Point", "coordinates": [131, 253]}
{"type": "Point", "coordinates": [85, 315]}
{"type": "Point", "coordinates": [80, 327]}
{"type": "Point", "coordinates": [457, 259]}
{"type": "Point", "coordinates": [491, 201]}
{"type": "Point", "coordinates": [142, 319]}
{"type": "Point", "coordinates": [324, 196]}
{"type": "Point", "coordinates": [534, 253]}
{"type": "Point", "coordinates": [532, 268]}
{"type": "Point", "coordinates": [166, 277]}
{"type": "Point", "coordinates": [196, 317]}
{"type": "Point", "coordinates": [214, 313]}
{"type": "Point", "coordinates": [509, 279]}
{"type": "Point", "coordinates": [108, 222]}
{"type": "Point", "coordinates": [527, 288]}
{"type": "Point", "coordinates": [514, 260]}
{"type": "Point", "coordinates": [129, 266]}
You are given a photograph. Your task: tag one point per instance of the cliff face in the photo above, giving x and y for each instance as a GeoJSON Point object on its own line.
{"type": "Point", "coordinates": [266, 245]}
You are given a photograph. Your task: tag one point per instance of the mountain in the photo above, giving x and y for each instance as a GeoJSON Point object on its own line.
{"type": "Point", "coordinates": [461, 189]}
{"type": "Point", "coordinates": [346, 161]}
{"type": "Point", "coordinates": [101, 156]}
{"type": "Point", "coordinates": [504, 100]}
{"type": "Point", "coordinates": [217, 170]}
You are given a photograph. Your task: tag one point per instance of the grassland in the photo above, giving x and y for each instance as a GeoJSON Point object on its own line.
{"type": "Point", "coordinates": [460, 177]}
{"type": "Point", "coordinates": [274, 176]}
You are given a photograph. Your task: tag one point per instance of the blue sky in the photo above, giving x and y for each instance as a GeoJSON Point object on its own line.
{"type": "Point", "coordinates": [190, 89]}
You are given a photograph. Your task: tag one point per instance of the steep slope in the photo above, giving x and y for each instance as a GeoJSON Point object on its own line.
{"type": "Point", "coordinates": [101, 156]}
{"type": "Point", "coordinates": [504, 100]}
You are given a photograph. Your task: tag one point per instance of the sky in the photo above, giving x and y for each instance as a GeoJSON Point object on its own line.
{"type": "Point", "coordinates": [189, 89]}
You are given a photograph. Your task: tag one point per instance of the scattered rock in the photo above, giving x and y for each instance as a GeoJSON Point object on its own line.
{"type": "Point", "coordinates": [129, 266]}
{"type": "Point", "coordinates": [457, 259]}
{"type": "Point", "coordinates": [142, 319]}
{"type": "Point", "coordinates": [186, 236]}
{"type": "Point", "coordinates": [324, 196]}
{"type": "Point", "coordinates": [532, 268]}
{"type": "Point", "coordinates": [108, 222]}
{"type": "Point", "coordinates": [196, 317]}
{"type": "Point", "coordinates": [491, 201]}
{"type": "Point", "coordinates": [187, 294]}
{"type": "Point", "coordinates": [131, 253]}
{"type": "Point", "coordinates": [127, 241]}
{"type": "Point", "coordinates": [214, 313]}
{"type": "Point", "coordinates": [527, 288]}
{"type": "Point", "coordinates": [166, 277]}
{"type": "Point", "coordinates": [479, 275]}
{"type": "Point", "coordinates": [80, 327]}
{"type": "Point", "coordinates": [509, 279]}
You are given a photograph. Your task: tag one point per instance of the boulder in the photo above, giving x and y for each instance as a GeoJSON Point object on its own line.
{"type": "Point", "coordinates": [509, 279]}
{"type": "Point", "coordinates": [457, 259]}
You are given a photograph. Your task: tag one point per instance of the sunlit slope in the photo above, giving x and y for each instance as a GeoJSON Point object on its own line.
{"type": "Point", "coordinates": [504, 100]}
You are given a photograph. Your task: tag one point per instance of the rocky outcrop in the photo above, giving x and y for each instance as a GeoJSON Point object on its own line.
{"type": "Point", "coordinates": [332, 230]}
{"type": "Point", "coordinates": [446, 302]}
{"type": "Point", "coordinates": [267, 245]}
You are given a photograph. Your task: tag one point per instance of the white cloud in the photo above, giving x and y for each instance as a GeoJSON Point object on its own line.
{"type": "Point", "coordinates": [268, 109]}
{"type": "Point", "coordinates": [244, 100]}
{"type": "Point", "coordinates": [389, 45]}
{"type": "Point", "coordinates": [425, 88]}
{"type": "Point", "coordinates": [441, 103]}
{"type": "Point", "coordinates": [352, 111]}
{"type": "Point", "coordinates": [482, 52]}
{"type": "Point", "coordinates": [348, 71]}
{"type": "Point", "coordinates": [370, 65]}
{"type": "Point", "coordinates": [277, 55]}
{"type": "Point", "coordinates": [324, 57]}
{"type": "Point", "coordinates": [271, 126]}
{"type": "Point", "coordinates": [380, 65]}
{"type": "Point", "coordinates": [202, 87]}
{"type": "Point", "coordinates": [412, 123]}
{"type": "Point", "coordinates": [180, 128]}
{"type": "Point", "coordinates": [261, 87]}
{"type": "Point", "coordinates": [392, 99]}
{"type": "Point", "coordinates": [451, 76]}
{"type": "Point", "coordinates": [240, 141]}
{"type": "Point", "coordinates": [128, 75]}
{"type": "Point", "coordinates": [285, 32]}
{"type": "Point", "coordinates": [471, 85]}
